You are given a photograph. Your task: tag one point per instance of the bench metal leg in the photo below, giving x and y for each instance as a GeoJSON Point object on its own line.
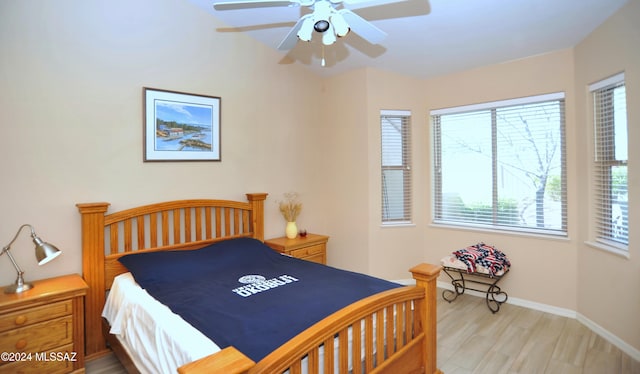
{"type": "Point", "coordinates": [494, 296]}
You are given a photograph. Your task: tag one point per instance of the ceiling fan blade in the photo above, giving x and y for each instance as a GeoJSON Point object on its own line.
{"type": "Point", "coordinates": [362, 27]}
{"type": "Point", "coordinates": [357, 4]}
{"type": "Point", "coordinates": [291, 39]}
{"type": "Point", "coordinates": [231, 5]}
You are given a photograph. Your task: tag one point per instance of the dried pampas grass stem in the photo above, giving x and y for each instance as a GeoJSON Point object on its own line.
{"type": "Point", "coordinates": [290, 207]}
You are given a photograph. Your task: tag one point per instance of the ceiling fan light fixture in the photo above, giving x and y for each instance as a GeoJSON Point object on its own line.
{"type": "Point", "coordinates": [321, 26]}
{"type": "Point", "coordinates": [306, 30]}
{"type": "Point", "coordinates": [340, 26]}
{"type": "Point", "coordinates": [329, 37]}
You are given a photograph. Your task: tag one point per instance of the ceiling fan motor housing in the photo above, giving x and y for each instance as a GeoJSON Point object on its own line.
{"type": "Point", "coordinates": [327, 21]}
{"type": "Point", "coordinates": [321, 26]}
{"type": "Point", "coordinates": [322, 11]}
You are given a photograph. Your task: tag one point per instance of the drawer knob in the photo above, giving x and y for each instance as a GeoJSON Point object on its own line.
{"type": "Point", "coordinates": [21, 344]}
{"type": "Point", "coordinates": [21, 319]}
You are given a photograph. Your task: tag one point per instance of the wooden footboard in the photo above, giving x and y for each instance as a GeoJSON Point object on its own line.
{"type": "Point", "coordinates": [391, 332]}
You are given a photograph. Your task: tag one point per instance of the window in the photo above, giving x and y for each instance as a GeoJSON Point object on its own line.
{"type": "Point", "coordinates": [395, 128]}
{"type": "Point", "coordinates": [611, 196]}
{"type": "Point", "coordinates": [501, 165]}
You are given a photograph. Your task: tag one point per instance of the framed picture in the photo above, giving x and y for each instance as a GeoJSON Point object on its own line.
{"type": "Point", "coordinates": [180, 126]}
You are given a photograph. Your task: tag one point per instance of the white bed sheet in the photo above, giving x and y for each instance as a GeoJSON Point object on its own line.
{"type": "Point", "coordinates": [148, 329]}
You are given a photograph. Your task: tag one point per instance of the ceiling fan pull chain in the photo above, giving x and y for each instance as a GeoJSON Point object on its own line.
{"type": "Point", "coordinates": [322, 63]}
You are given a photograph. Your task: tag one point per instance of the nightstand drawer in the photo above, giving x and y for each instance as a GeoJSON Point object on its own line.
{"type": "Point", "coordinates": [27, 317]}
{"type": "Point", "coordinates": [312, 247]}
{"type": "Point", "coordinates": [38, 337]}
{"type": "Point", "coordinates": [308, 251]}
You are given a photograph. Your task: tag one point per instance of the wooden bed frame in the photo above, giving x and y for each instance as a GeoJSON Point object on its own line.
{"type": "Point", "coordinates": [398, 326]}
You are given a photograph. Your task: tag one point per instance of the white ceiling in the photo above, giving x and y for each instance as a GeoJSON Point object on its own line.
{"type": "Point", "coordinates": [427, 38]}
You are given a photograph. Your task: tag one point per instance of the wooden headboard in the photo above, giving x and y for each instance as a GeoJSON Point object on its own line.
{"type": "Point", "coordinates": [172, 225]}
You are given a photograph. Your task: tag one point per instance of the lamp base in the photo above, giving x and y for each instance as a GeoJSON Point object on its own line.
{"type": "Point", "coordinates": [17, 288]}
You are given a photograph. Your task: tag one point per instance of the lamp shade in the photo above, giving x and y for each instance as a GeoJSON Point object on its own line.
{"type": "Point", "coordinates": [45, 252]}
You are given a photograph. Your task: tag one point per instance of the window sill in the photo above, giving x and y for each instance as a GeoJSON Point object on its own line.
{"type": "Point", "coordinates": [559, 236]}
{"type": "Point", "coordinates": [397, 224]}
{"type": "Point", "coordinates": [624, 253]}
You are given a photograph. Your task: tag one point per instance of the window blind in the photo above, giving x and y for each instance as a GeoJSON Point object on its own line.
{"type": "Point", "coordinates": [611, 198]}
{"type": "Point", "coordinates": [501, 165]}
{"type": "Point", "coordinates": [395, 130]}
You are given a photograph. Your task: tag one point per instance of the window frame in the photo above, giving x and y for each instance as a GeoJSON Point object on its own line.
{"type": "Point", "coordinates": [437, 193]}
{"type": "Point", "coordinates": [404, 116]}
{"type": "Point", "coordinates": [602, 164]}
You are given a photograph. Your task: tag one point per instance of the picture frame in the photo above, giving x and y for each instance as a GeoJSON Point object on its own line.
{"type": "Point", "coordinates": [180, 126]}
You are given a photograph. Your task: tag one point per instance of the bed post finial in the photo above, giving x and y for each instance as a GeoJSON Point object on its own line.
{"type": "Point", "coordinates": [93, 274]}
{"type": "Point", "coordinates": [257, 217]}
{"type": "Point", "coordinates": [426, 276]}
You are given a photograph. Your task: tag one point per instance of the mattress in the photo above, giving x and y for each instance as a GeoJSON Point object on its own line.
{"type": "Point", "coordinates": [241, 293]}
{"type": "Point", "coordinates": [158, 340]}
{"type": "Point", "coordinates": [148, 330]}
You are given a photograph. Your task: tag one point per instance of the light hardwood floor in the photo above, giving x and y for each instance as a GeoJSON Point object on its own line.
{"type": "Point", "coordinates": [520, 340]}
{"type": "Point", "coordinates": [515, 340]}
{"type": "Point", "coordinates": [108, 364]}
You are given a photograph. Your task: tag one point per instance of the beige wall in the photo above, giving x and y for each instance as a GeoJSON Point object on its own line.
{"type": "Point", "coordinates": [392, 250]}
{"type": "Point", "coordinates": [396, 249]}
{"type": "Point", "coordinates": [353, 104]}
{"type": "Point", "coordinates": [608, 284]}
{"type": "Point", "coordinates": [536, 260]}
{"type": "Point", "coordinates": [559, 273]}
{"type": "Point", "coordinates": [343, 187]}
{"type": "Point", "coordinates": [71, 78]}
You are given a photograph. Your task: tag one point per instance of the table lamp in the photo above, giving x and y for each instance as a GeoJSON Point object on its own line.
{"type": "Point", "coordinates": [45, 252]}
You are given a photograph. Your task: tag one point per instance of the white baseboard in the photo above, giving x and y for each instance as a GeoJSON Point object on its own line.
{"type": "Point", "coordinates": [520, 302]}
{"type": "Point", "coordinates": [605, 334]}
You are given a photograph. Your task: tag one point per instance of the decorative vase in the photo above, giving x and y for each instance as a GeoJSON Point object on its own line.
{"type": "Point", "coordinates": [291, 230]}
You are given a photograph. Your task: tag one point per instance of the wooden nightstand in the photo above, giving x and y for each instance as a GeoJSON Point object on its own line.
{"type": "Point", "coordinates": [42, 330]}
{"type": "Point", "coordinates": [313, 247]}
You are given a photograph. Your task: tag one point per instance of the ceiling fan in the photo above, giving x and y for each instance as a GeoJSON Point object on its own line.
{"type": "Point", "coordinates": [330, 18]}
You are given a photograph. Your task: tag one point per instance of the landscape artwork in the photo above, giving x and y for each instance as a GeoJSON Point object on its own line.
{"type": "Point", "coordinates": [180, 126]}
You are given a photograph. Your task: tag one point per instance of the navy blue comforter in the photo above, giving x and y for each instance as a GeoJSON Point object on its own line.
{"type": "Point", "coordinates": [242, 293]}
